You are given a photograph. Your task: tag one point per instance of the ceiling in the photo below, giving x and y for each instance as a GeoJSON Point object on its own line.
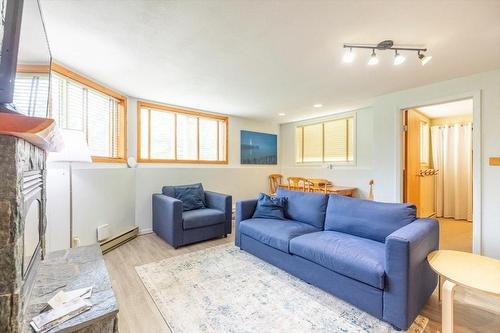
{"type": "Point", "coordinates": [260, 58]}
{"type": "Point", "coordinates": [450, 109]}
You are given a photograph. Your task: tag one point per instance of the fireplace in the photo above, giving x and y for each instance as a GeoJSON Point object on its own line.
{"type": "Point", "coordinates": [22, 226]}
{"type": "Point", "coordinates": [33, 212]}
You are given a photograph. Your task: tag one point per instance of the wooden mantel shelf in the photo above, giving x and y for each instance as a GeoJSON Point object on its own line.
{"type": "Point", "coordinates": [41, 132]}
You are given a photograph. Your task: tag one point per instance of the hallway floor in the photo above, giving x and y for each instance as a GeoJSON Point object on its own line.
{"type": "Point", "coordinates": [455, 235]}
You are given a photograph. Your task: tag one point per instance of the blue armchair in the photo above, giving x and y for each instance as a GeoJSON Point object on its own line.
{"type": "Point", "coordinates": [178, 227]}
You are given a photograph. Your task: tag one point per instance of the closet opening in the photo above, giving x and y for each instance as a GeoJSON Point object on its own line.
{"type": "Point", "coordinates": [438, 168]}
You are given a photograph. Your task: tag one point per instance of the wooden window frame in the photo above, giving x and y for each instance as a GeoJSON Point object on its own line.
{"type": "Point", "coordinates": [179, 110]}
{"type": "Point", "coordinates": [122, 108]}
{"type": "Point", "coordinates": [322, 122]}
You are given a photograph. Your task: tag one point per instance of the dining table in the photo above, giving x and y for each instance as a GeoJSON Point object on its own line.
{"type": "Point", "coordinates": [326, 188]}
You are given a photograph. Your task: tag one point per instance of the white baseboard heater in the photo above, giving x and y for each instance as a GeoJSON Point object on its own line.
{"type": "Point", "coordinates": [112, 243]}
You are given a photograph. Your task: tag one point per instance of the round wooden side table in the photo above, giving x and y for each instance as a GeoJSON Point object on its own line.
{"type": "Point", "coordinates": [475, 272]}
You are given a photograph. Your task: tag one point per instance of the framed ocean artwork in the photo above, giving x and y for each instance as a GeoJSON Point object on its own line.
{"type": "Point", "coordinates": [259, 148]}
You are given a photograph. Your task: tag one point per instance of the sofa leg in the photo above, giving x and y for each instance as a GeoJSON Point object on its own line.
{"type": "Point", "coordinates": [225, 236]}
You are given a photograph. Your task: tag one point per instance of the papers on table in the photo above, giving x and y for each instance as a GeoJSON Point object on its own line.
{"type": "Point", "coordinates": [64, 306]}
{"type": "Point", "coordinates": [65, 296]}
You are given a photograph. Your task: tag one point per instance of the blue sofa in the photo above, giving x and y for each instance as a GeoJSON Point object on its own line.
{"type": "Point", "coordinates": [370, 254]}
{"type": "Point", "coordinates": [178, 227]}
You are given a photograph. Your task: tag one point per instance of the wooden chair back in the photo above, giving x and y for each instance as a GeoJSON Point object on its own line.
{"type": "Point", "coordinates": [275, 181]}
{"type": "Point", "coordinates": [320, 185]}
{"type": "Point", "coordinates": [299, 184]}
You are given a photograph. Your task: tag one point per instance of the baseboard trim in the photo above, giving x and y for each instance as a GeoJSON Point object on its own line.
{"type": "Point", "coordinates": [114, 242]}
{"type": "Point", "coordinates": [145, 231]}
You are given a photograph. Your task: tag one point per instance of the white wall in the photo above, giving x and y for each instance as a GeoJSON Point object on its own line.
{"type": "Point", "coordinates": [104, 195]}
{"type": "Point", "coordinates": [121, 197]}
{"type": "Point", "coordinates": [240, 181]}
{"type": "Point", "coordinates": [382, 145]}
{"type": "Point", "coordinates": [387, 156]}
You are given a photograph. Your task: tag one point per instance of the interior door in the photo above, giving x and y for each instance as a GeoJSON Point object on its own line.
{"type": "Point", "coordinates": [413, 162]}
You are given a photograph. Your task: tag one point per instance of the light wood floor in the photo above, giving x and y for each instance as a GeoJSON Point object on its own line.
{"type": "Point", "coordinates": [138, 312]}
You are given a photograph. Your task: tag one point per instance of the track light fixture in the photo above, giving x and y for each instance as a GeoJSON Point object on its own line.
{"type": "Point", "coordinates": [398, 58]}
{"type": "Point", "coordinates": [373, 59]}
{"type": "Point", "coordinates": [348, 56]}
{"type": "Point", "coordinates": [424, 58]}
{"type": "Point", "coordinates": [383, 46]}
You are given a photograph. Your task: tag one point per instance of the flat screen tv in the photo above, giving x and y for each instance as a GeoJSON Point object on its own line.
{"type": "Point", "coordinates": [24, 59]}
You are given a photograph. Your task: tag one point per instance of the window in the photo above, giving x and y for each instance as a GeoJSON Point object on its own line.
{"type": "Point", "coordinates": [31, 90]}
{"type": "Point", "coordinates": [331, 141]}
{"type": "Point", "coordinates": [80, 104]}
{"type": "Point", "coordinates": [168, 134]}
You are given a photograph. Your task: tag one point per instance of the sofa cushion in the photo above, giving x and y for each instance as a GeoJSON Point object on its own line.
{"type": "Point", "coordinates": [367, 219]}
{"type": "Point", "coordinates": [199, 218]}
{"type": "Point", "coordinates": [305, 207]}
{"type": "Point", "coordinates": [270, 207]}
{"type": "Point", "coordinates": [275, 233]}
{"type": "Point", "coordinates": [192, 196]}
{"type": "Point", "coordinates": [355, 257]}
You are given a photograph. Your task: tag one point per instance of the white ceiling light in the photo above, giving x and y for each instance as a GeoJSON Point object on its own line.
{"type": "Point", "coordinates": [398, 58]}
{"type": "Point", "coordinates": [348, 56]}
{"type": "Point", "coordinates": [424, 58]}
{"type": "Point", "coordinates": [373, 59]}
{"type": "Point", "coordinates": [281, 114]}
{"type": "Point", "coordinates": [318, 105]}
{"type": "Point", "coordinates": [385, 45]}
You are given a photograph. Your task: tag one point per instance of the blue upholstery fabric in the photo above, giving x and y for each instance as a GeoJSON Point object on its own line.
{"type": "Point", "coordinates": [169, 190]}
{"type": "Point", "coordinates": [224, 203]}
{"type": "Point", "coordinates": [363, 296]}
{"type": "Point", "coordinates": [169, 224]}
{"type": "Point", "coordinates": [305, 207]}
{"type": "Point", "coordinates": [270, 207]}
{"type": "Point", "coordinates": [358, 258]}
{"type": "Point", "coordinates": [167, 219]}
{"type": "Point", "coordinates": [410, 280]}
{"type": "Point", "coordinates": [275, 233]}
{"type": "Point", "coordinates": [378, 263]}
{"type": "Point", "coordinates": [201, 218]}
{"type": "Point", "coordinates": [367, 219]}
{"type": "Point", "coordinates": [192, 196]}
{"type": "Point", "coordinates": [244, 211]}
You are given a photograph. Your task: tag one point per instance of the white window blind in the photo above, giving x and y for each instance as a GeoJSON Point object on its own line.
{"type": "Point", "coordinates": [330, 141]}
{"type": "Point", "coordinates": [31, 93]}
{"type": "Point", "coordinates": [79, 107]}
{"type": "Point", "coordinates": [169, 136]}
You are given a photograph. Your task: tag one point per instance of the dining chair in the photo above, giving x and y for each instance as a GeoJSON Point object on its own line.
{"type": "Point", "coordinates": [299, 184]}
{"type": "Point", "coordinates": [320, 184]}
{"type": "Point", "coordinates": [275, 181]}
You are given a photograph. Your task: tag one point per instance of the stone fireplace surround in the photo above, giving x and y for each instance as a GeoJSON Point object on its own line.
{"type": "Point", "coordinates": [22, 182]}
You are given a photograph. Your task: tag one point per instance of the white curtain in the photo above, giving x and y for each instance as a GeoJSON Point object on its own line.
{"type": "Point", "coordinates": [452, 156]}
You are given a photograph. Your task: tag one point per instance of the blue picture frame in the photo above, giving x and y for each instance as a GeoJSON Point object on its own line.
{"type": "Point", "coordinates": [258, 148]}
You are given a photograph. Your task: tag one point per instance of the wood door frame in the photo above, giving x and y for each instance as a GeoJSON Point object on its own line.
{"type": "Point", "coordinates": [476, 158]}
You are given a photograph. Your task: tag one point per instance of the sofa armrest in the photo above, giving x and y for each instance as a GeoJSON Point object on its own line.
{"type": "Point", "coordinates": [167, 219]}
{"type": "Point", "coordinates": [224, 203]}
{"type": "Point", "coordinates": [244, 211]}
{"type": "Point", "coordinates": [409, 279]}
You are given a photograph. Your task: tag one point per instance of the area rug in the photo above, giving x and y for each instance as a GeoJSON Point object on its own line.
{"type": "Point", "coordinates": [224, 289]}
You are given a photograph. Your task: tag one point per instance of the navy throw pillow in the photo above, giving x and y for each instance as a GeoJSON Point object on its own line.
{"type": "Point", "coordinates": [270, 207]}
{"type": "Point", "coordinates": [192, 196]}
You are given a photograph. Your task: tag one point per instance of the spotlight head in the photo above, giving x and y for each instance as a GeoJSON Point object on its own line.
{"type": "Point", "coordinates": [398, 58]}
{"type": "Point", "coordinates": [424, 58]}
{"type": "Point", "coordinates": [373, 59]}
{"type": "Point", "coordinates": [348, 56]}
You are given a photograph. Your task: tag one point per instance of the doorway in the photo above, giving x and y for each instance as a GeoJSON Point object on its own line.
{"type": "Point", "coordinates": [438, 168]}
